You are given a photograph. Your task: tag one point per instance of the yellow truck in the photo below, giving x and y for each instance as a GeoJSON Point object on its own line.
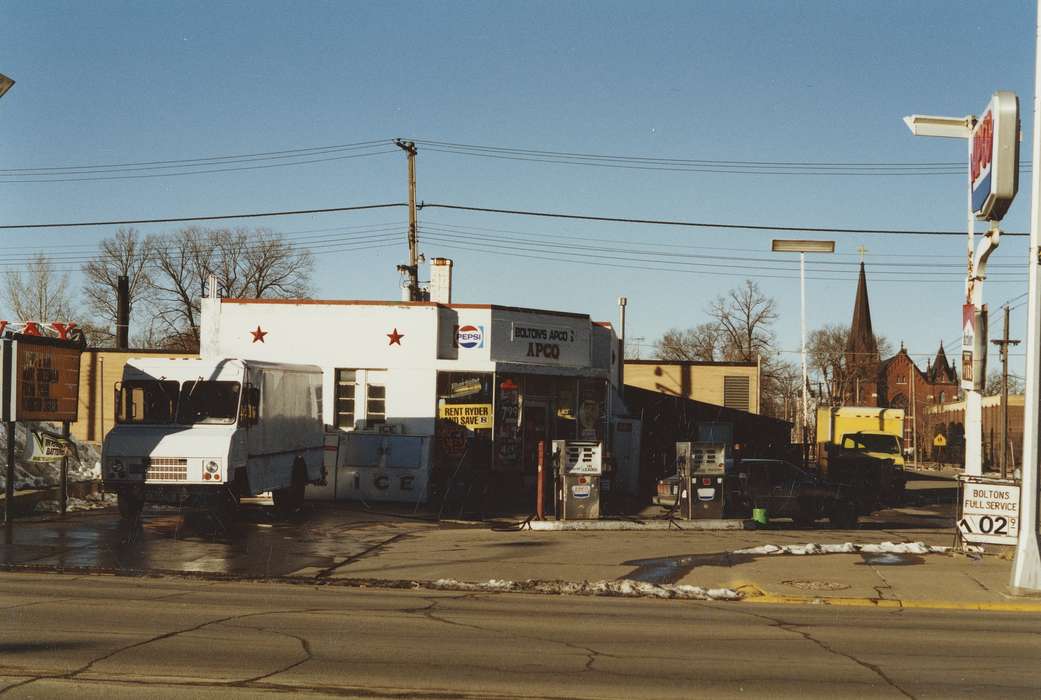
{"type": "Point", "coordinates": [863, 446]}
{"type": "Point", "coordinates": [876, 432]}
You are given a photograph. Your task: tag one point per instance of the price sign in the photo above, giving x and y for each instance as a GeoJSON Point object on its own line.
{"type": "Point", "coordinates": [989, 511]}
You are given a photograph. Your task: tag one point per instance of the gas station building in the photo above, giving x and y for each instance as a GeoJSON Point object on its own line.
{"type": "Point", "coordinates": [422, 392]}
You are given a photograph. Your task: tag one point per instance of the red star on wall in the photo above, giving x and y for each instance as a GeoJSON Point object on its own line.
{"type": "Point", "coordinates": [258, 335]}
{"type": "Point", "coordinates": [395, 337]}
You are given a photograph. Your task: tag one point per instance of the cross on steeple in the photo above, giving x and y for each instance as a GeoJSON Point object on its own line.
{"type": "Point", "coordinates": [862, 250]}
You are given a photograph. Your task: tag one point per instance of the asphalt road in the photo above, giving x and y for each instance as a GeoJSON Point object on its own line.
{"type": "Point", "coordinates": [116, 637]}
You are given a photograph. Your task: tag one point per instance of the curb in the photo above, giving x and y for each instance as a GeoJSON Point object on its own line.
{"type": "Point", "coordinates": [644, 525]}
{"type": "Point", "coordinates": [751, 593]}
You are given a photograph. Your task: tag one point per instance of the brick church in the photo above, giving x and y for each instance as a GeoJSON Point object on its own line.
{"type": "Point", "coordinates": [897, 381]}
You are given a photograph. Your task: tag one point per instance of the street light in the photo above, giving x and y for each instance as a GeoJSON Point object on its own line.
{"type": "Point", "coordinates": [802, 247]}
{"type": "Point", "coordinates": [5, 84]}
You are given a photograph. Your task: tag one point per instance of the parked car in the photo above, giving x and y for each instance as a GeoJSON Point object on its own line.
{"type": "Point", "coordinates": [781, 488]}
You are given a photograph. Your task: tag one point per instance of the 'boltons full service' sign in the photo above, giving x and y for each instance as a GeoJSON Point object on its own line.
{"type": "Point", "coordinates": [994, 157]}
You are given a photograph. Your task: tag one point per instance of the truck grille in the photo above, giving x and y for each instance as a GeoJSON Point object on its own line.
{"type": "Point", "coordinates": [166, 469]}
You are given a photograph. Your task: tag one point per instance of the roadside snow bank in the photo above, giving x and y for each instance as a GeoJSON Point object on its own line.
{"type": "Point", "coordinates": [84, 463]}
{"type": "Point", "coordinates": [624, 588]}
{"type": "Point", "coordinates": [92, 502]}
{"type": "Point", "coordinates": [848, 548]}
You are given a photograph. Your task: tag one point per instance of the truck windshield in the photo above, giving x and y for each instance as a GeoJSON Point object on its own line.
{"type": "Point", "coordinates": [208, 402]}
{"type": "Point", "coordinates": [872, 443]}
{"type": "Point", "coordinates": [147, 401]}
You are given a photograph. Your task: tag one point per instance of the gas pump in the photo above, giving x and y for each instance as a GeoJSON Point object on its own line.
{"type": "Point", "coordinates": [700, 467]}
{"type": "Point", "coordinates": [579, 468]}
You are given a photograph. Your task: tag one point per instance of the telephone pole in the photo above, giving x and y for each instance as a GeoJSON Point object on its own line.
{"type": "Point", "coordinates": [411, 270]}
{"type": "Point", "coordinates": [1003, 345]}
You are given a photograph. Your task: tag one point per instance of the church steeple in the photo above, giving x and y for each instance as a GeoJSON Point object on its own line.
{"type": "Point", "coordinates": [861, 343]}
{"type": "Point", "coordinates": [862, 360]}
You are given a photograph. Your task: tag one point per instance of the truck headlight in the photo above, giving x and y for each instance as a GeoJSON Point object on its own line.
{"type": "Point", "coordinates": [212, 467]}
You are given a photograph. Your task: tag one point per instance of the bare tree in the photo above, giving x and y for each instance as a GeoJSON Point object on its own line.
{"type": "Point", "coordinates": [745, 316]}
{"type": "Point", "coordinates": [255, 264]}
{"type": "Point", "coordinates": [827, 358]}
{"type": "Point", "coordinates": [781, 390]}
{"type": "Point", "coordinates": [125, 254]}
{"type": "Point", "coordinates": [993, 385]}
{"type": "Point", "coordinates": [40, 293]}
{"type": "Point", "coordinates": [698, 343]}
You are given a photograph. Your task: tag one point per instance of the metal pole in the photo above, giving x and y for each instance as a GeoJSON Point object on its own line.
{"type": "Point", "coordinates": [973, 400]}
{"type": "Point", "coordinates": [1026, 567]}
{"type": "Point", "coordinates": [805, 381]}
{"type": "Point", "coordinates": [9, 486]}
{"type": "Point", "coordinates": [539, 492]}
{"type": "Point", "coordinates": [622, 301]}
{"type": "Point", "coordinates": [63, 483]}
{"type": "Point", "coordinates": [1004, 396]}
{"type": "Point", "coordinates": [412, 269]}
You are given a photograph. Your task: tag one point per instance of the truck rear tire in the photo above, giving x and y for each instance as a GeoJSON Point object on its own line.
{"type": "Point", "coordinates": [130, 506]}
{"type": "Point", "coordinates": [844, 516]}
{"type": "Point", "coordinates": [291, 499]}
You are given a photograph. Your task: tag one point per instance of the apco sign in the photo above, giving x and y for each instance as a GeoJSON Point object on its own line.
{"type": "Point", "coordinates": [994, 157]}
{"type": "Point", "coordinates": [544, 342]}
{"type": "Point", "coordinates": [40, 379]}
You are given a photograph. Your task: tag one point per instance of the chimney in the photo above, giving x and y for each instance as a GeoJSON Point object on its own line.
{"type": "Point", "coordinates": [441, 280]}
{"type": "Point", "coordinates": [123, 313]}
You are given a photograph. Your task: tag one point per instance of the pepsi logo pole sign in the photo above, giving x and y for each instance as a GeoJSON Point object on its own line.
{"type": "Point", "coordinates": [994, 157]}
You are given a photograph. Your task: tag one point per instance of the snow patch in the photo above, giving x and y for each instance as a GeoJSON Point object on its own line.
{"type": "Point", "coordinates": [92, 502]}
{"type": "Point", "coordinates": [623, 588]}
{"type": "Point", "coordinates": [851, 548]}
{"type": "Point", "coordinates": [84, 463]}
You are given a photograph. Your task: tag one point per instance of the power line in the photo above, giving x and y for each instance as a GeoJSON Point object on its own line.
{"type": "Point", "coordinates": [201, 172]}
{"type": "Point", "coordinates": [702, 246]}
{"type": "Point", "coordinates": [182, 219]}
{"type": "Point", "coordinates": [699, 224]}
{"type": "Point", "coordinates": [207, 159]}
{"type": "Point", "coordinates": [655, 256]}
{"type": "Point", "coordinates": [819, 265]}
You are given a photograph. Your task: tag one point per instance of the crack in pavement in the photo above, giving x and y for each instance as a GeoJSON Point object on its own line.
{"type": "Point", "coordinates": [68, 675]}
{"type": "Point", "coordinates": [428, 612]}
{"type": "Point", "coordinates": [39, 602]}
{"type": "Point", "coordinates": [325, 573]}
{"type": "Point", "coordinates": [305, 646]}
{"type": "Point", "coordinates": [794, 628]}
{"type": "Point", "coordinates": [885, 586]}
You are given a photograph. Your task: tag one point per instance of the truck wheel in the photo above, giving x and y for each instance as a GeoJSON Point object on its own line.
{"type": "Point", "coordinates": [225, 505]}
{"type": "Point", "coordinates": [804, 518]}
{"type": "Point", "coordinates": [844, 517]}
{"type": "Point", "coordinates": [130, 506]}
{"type": "Point", "coordinates": [291, 498]}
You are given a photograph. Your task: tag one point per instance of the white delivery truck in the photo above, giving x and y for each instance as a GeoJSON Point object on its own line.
{"type": "Point", "coordinates": [206, 432]}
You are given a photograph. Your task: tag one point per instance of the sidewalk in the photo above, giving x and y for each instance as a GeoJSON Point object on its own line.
{"type": "Point", "coordinates": [706, 559]}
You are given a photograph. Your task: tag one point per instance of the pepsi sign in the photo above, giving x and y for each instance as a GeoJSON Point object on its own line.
{"type": "Point", "coordinates": [470, 337]}
{"type": "Point", "coordinates": [994, 157]}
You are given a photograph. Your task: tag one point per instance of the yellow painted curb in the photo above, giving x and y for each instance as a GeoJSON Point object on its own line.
{"type": "Point", "coordinates": [753, 594]}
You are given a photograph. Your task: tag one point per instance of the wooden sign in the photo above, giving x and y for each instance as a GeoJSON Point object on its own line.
{"type": "Point", "coordinates": [40, 379]}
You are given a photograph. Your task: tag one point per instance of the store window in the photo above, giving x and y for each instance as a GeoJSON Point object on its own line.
{"type": "Point", "coordinates": [346, 386]}
{"type": "Point", "coordinates": [375, 404]}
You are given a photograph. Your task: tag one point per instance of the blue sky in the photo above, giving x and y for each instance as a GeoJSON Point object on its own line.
{"type": "Point", "coordinates": [107, 82]}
